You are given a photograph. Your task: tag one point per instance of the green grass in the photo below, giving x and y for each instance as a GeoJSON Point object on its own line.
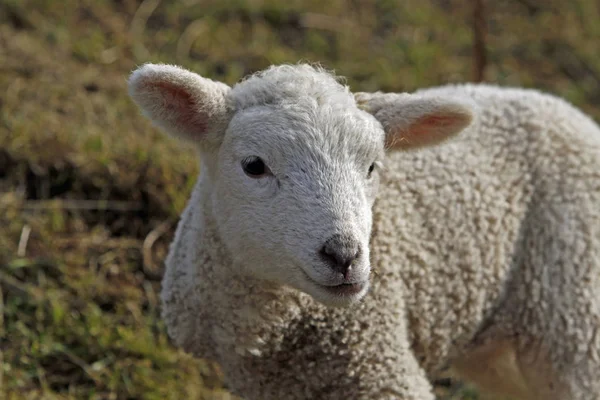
{"type": "Point", "coordinates": [90, 192]}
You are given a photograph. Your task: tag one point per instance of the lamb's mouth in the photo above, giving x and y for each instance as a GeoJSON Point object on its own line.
{"type": "Point", "coordinates": [349, 289]}
{"type": "Point", "coordinates": [346, 289]}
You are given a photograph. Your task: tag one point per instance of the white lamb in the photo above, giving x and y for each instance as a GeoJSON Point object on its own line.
{"type": "Point", "coordinates": [484, 251]}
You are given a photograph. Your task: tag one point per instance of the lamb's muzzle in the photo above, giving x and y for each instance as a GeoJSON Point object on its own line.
{"type": "Point", "coordinates": [339, 252]}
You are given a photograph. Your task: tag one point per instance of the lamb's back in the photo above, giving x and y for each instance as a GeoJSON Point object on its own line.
{"type": "Point", "coordinates": [448, 219]}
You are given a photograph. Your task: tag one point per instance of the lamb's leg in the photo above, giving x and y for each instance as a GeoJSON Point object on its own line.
{"type": "Point", "coordinates": [493, 367]}
{"type": "Point", "coordinates": [559, 349]}
{"type": "Point", "coordinates": [560, 359]}
{"type": "Point", "coordinates": [394, 378]}
{"type": "Point", "coordinates": [354, 361]}
{"type": "Point", "coordinates": [282, 376]}
{"type": "Point", "coordinates": [556, 301]}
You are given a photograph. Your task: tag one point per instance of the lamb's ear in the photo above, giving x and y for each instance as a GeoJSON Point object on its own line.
{"type": "Point", "coordinates": [180, 102]}
{"type": "Point", "coordinates": [413, 121]}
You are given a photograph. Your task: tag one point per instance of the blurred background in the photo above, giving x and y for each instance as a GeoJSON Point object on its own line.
{"type": "Point", "coordinates": [90, 193]}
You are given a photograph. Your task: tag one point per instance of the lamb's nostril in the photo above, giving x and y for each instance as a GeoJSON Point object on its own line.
{"type": "Point", "coordinates": [339, 252]}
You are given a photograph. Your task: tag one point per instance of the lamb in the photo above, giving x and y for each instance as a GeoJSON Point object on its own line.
{"type": "Point", "coordinates": [341, 246]}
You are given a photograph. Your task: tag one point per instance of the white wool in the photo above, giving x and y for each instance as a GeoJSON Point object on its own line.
{"type": "Point", "coordinates": [290, 84]}
{"type": "Point", "coordinates": [482, 252]}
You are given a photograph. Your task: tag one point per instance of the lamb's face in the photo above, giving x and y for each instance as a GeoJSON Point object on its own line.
{"type": "Point", "coordinates": [294, 188]}
{"type": "Point", "coordinates": [291, 164]}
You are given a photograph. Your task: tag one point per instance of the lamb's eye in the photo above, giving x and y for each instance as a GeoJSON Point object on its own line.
{"type": "Point", "coordinates": [254, 167]}
{"type": "Point", "coordinates": [371, 168]}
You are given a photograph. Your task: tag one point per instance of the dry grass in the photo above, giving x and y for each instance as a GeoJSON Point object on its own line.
{"type": "Point", "coordinates": [90, 193]}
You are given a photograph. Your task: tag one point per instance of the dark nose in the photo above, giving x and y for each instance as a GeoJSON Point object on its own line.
{"type": "Point", "coordinates": [339, 252]}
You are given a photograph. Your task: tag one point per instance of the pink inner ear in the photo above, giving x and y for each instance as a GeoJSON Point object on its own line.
{"type": "Point", "coordinates": [425, 131]}
{"type": "Point", "coordinates": [180, 107]}
{"type": "Point", "coordinates": [437, 121]}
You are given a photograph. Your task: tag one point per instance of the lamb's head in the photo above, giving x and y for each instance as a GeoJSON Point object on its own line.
{"type": "Point", "coordinates": [291, 167]}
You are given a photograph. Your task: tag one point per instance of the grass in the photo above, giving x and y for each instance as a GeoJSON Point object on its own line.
{"type": "Point", "coordinates": [90, 192]}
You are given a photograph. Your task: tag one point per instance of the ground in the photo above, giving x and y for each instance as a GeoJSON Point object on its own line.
{"type": "Point", "coordinates": [90, 193]}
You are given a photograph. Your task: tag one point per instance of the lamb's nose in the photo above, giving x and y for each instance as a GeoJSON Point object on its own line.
{"type": "Point", "coordinates": [339, 252]}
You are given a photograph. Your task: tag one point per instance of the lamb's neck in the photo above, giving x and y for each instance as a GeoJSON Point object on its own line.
{"type": "Point", "coordinates": [231, 277]}
{"type": "Point", "coordinates": [248, 313]}
{"type": "Point", "coordinates": [219, 265]}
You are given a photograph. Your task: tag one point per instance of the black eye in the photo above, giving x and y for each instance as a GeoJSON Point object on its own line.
{"type": "Point", "coordinates": [371, 168]}
{"type": "Point", "coordinates": [254, 167]}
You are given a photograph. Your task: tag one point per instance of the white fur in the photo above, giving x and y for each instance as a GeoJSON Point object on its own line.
{"type": "Point", "coordinates": [483, 252]}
